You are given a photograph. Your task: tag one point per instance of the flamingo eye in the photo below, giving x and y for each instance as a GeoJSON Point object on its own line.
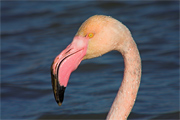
{"type": "Point", "coordinates": [90, 35]}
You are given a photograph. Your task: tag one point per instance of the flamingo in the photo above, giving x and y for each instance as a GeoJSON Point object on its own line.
{"type": "Point", "coordinates": [96, 36]}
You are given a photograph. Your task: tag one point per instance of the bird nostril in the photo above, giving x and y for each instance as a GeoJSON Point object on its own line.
{"type": "Point", "coordinates": [68, 51]}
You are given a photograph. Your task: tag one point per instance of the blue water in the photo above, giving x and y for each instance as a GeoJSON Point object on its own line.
{"type": "Point", "coordinates": [33, 33]}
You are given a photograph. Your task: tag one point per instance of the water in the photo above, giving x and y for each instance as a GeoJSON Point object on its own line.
{"type": "Point", "coordinates": [33, 33]}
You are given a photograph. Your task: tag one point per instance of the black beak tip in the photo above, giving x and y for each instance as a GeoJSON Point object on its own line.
{"type": "Point", "coordinates": [59, 103]}
{"type": "Point", "coordinates": [57, 89]}
{"type": "Point", "coordinates": [59, 96]}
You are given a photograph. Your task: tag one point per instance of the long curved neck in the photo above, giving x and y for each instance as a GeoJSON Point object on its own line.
{"type": "Point", "coordinates": [126, 95]}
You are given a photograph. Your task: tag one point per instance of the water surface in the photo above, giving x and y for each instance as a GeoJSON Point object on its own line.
{"type": "Point", "coordinates": [33, 33]}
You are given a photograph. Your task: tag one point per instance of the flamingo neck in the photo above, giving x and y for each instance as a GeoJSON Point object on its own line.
{"type": "Point", "coordinates": [126, 95]}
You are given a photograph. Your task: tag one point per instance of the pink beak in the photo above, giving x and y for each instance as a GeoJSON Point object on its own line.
{"type": "Point", "coordinates": [65, 63]}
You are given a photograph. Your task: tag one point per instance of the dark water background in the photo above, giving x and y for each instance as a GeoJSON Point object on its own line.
{"type": "Point", "coordinates": [33, 33]}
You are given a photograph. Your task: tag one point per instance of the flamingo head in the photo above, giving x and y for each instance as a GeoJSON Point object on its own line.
{"type": "Point", "coordinates": [94, 38]}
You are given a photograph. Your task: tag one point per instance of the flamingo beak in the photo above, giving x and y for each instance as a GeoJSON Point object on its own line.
{"type": "Point", "coordinates": [65, 63]}
{"type": "Point", "coordinates": [57, 89]}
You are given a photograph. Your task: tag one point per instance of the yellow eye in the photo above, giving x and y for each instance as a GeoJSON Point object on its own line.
{"type": "Point", "coordinates": [90, 35]}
